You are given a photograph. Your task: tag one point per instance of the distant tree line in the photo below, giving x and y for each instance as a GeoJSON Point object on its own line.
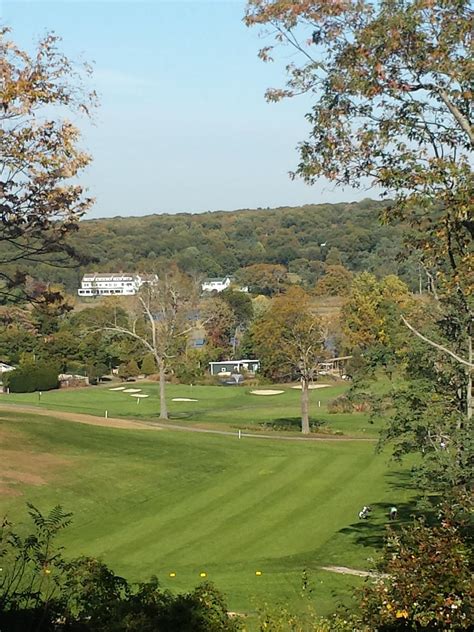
{"type": "Point", "coordinates": [298, 242]}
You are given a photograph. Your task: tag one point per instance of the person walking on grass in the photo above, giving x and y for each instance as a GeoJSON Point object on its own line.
{"type": "Point", "coordinates": [392, 515]}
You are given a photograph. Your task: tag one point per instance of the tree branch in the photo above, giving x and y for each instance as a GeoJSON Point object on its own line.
{"type": "Point", "coordinates": [437, 345]}
{"type": "Point", "coordinates": [458, 115]}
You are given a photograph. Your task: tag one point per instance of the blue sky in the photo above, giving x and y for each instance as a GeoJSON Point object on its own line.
{"type": "Point", "coordinates": [183, 123]}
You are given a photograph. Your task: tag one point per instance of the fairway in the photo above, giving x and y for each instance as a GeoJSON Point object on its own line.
{"type": "Point", "coordinates": [176, 502]}
{"type": "Point", "coordinates": [210, 406]}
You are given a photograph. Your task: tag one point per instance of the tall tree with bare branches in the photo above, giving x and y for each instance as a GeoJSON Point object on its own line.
{"type": "Point", "coordinates": [160, 318]}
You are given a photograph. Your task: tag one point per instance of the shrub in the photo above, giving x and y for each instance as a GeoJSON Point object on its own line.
{"type": "Point", "coordinates": [287, 424]}
{"type": "Point", "coordinates": [128, 370]}
{"type": "Point", "coordinates": [428, 581]}
{"type": "Point", "coordinates": [32, 377]}
{"type": "Point", "coordinates": [346, 404]}
{"type": "Point", "coordinates": [148, 365]}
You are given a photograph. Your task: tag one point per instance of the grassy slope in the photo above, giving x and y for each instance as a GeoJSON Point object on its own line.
{"type": "Point", "coordinates": [160, 502]}
{"type": "Point", "coordinates": [226, 406]}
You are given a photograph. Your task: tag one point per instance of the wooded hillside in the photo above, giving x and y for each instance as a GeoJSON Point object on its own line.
{"type": "Point", "coordinates": [218, 243]}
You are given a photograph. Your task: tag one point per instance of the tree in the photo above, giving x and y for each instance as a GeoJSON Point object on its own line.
{"type": "Point", "coordinates": [40, 202]}
{"type": "Point", "coordinates": [129, 369]}
{"type": "Point", "coordinates": [426, 413]}
{"type": "Point", "coordinates": [264, 278]}
{"type": "Point", "coordinates": [393, 106]}
{"type": "Point", "coordinates": [159, 319]}
{"type": "Point", "coordinates": [427, 583]}
{"type": "Point", "coordinates": [335, 282]}
{"type": "Point", "coordinates": [371, 316]}
{"type": "Point", "coordinates": [333, 257]}
{"type": "Point", "coordinates": [287, 337]}
{"type": "Point", "coordinates": [241, 305]}
{"type": "Point", "coordinates": [219, 319]}
{"type": "Point", "coordinates": [148, 365]}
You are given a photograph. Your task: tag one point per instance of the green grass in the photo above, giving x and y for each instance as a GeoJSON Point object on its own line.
{"type": "Point", "coordinates": [160, 502]}
{"type": "Point", "coordinates": [226, 407]}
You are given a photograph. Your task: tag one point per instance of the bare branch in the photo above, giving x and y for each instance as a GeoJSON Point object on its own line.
{"type": "Point", "coordinates": [436, 345]}
{"type": "Point", "coordinates": [458, 115]}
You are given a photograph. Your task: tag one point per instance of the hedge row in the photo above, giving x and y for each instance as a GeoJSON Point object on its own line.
{"type": "Point", "coordinates": [37, 377]}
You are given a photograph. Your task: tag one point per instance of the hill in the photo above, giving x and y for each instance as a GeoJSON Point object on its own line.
{"type": "Point", "coordinates": [301, 238]}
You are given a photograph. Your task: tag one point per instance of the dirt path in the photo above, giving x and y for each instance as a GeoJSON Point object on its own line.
{"type": "Point", "coordinates": [140, 424]}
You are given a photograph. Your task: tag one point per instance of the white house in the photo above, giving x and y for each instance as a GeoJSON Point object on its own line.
{"type": "Point", "coordinates": [219, 284]}
{"type": "Point", "coordinates": [116, 284]}
{"type": "Point", "coordinates": [4, 368]}
{"type": "Point", "coordinates": [234, 366]}
{"type": "Point", "coordinates": [216, 284]}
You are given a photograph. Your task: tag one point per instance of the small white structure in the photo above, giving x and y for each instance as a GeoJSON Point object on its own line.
{"type": "Point", "coordinates": [218, 284]}
{"type": "Point", "coordinates": [68, 380]}
{"type": "Point", "coordinates": [234, 366]}
{"type": "Point", "coordinates": [5, 368]}
{"type": "Point", "coordinates": [114, 284]}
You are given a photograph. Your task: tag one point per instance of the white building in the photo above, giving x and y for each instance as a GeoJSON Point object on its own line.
{"type": "Point", "coordinates": [228, 367]}
{"type": "Point", "coordinates": [216, 284]}
{"type": "Point", "coordinates": [5, 368]}
{"type": "Point", "coordinates": [113, 284]}
{"type": "Point", "coordinates": [220, 284]}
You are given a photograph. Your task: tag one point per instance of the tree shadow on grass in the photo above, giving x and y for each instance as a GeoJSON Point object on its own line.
{"type": "Point", "coordinates": [372, 531]}
{"type": "Point", "coordinates": [401, 480]}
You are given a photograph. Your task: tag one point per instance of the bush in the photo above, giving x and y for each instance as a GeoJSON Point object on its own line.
{"type": "Point", "coordinates": [287, 424]}
{"type": "Point", "coordinates": [32, 377]}
{"type": "Point", "coordinates": [346, 404]}
{"type": "Point", "coordinates": [148, 365]}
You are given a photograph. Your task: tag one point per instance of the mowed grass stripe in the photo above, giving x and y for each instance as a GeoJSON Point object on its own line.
{"type": "Point", "coordinates": [209, 526]}
{"type": "Point", "coordinates": [151, 503]}
{"type": "Point", "coordinates": [235, 507]}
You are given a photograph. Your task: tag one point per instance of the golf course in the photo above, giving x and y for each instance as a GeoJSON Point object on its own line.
{"type": "Point", "coordinates": [250, 514]}
{"type": "Point", "coordinates": [232, 408]}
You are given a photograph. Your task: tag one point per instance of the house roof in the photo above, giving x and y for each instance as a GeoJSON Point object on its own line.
{"type": "Point", "coordinates": [217, 279]}
{"type": "Point", "coordinates": [234, 361]}
{"type": "Point", "coordinates": [105, 276]}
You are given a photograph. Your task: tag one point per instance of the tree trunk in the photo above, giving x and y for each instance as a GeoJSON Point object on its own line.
{"type": "Point", "coordinates": [469, 396]}
{"type": "Point", "coordinates": [163, 407]}
{"type": "Point", "coordinates": [304, 406]}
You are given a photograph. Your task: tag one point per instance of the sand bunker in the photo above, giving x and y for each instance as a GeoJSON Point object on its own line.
{"type": "Point", "coordinates": [312, 386]}
{"type": "Point", "coordinates": [117, 388]}
{"type": "Point", "coordinates": [183, 399]}
{"type": "Point", "coordinates": [132, 390]}
{"type": "Point", "coordinates": [138, 395]}
{"type": "Point", "coordinates": [267, 391]}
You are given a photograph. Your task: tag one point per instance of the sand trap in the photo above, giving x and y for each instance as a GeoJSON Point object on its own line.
{"type": "Point", "coordinates": [267, 391]}
{"type": "Point", "coordinates": [183, 399]}
{"type": "Point", "coordinates": [117, 388]}
{"type": "Point", "coordinates": [312, 386]}
{"type": "Point", "coordinates": [138, 395]}
{"type": "Point", "coordinates": [132, 390]}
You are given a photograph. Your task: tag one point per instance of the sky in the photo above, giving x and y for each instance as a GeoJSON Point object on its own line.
{"type": "Point", "coordinates": [183, 125]}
